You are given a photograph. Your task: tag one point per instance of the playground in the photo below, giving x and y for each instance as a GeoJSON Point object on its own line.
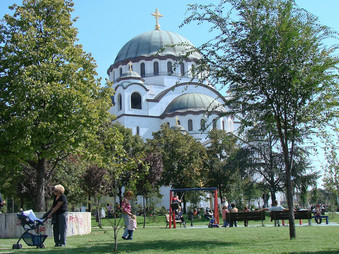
{"type": "Point", "coordinates": [156, 238]}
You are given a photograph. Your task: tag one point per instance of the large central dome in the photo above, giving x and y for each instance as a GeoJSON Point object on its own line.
{"type": "Point", "coordinates": [156, 42]}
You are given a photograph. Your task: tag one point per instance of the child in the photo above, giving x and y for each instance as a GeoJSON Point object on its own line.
{"type": "Point", "coordinates": [224, 213]}
{"type": "Point", "coordinates": [213, 224]}
{"type": "Point", "coordinates": [132, 225]}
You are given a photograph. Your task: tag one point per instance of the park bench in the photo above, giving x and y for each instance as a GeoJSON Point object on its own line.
{"type": "Point", "coordinates": [298, 215]}
{"type": "Point", "coordinates": [246, 216]}
{"type": "Point", "coordinates": [176, 221]}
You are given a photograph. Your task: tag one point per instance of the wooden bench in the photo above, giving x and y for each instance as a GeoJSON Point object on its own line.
{"type": "Point", "coordinates": [298, 215]}
{"type": "Point", "coordinates": [176, 221]}
{"type": "Point", "coordinates": [246, 216]}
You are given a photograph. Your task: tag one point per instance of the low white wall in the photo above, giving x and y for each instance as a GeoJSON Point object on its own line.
{"type": "Point", "coordinates": [79, 223]}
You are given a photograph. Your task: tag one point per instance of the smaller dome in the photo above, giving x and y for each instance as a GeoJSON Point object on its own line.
{"type": "Point", "coordinates": [131, 74]}
{"type": "Point", "coordinates": [179, 128]}
{"type": "Point", "coordinates": [194, 102]}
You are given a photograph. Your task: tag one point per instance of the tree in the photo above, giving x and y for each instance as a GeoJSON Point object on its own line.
{"type": "Point", "coordinates": [183, 158]}
{"type": "Point", "coordinates": [51, 103]}
{"type": "Point", "coordinates": [148, 183]}
{"type": "Point", "coordinates": [220, 151]}
{"type": "Point", "coordinates": [270, 56]}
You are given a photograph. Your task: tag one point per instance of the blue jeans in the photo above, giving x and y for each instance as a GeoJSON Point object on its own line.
{"type": "Point", "coordinates": [126, 220]}
{"type": "Point", "coordinates": [130, 234]}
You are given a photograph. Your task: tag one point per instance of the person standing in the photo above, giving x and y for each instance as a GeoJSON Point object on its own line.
{"type": "Point", "coordinates": [233, 210]}
{"type": "Point", "coordinates": [126, 211]}
{"type": "Point", "coordinates": [132, 225]}
{"type": "Point", "coordinates": [58, 213]}
{"type": "Point", "coordinates": [224, 213]}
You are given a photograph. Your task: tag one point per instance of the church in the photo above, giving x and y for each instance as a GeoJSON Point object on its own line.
{"type": "Point", "coordinates": [154, 84]}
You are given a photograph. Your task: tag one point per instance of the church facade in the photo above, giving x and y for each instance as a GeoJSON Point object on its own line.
{"type": "Point", "coordinates": [154, 85]}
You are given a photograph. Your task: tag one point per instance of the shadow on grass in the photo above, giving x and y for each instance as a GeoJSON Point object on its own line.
{"type": "Point", "coordinates": [158, 246]}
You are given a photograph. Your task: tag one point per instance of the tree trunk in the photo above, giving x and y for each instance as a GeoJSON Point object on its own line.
{"type": "Point", "coordinates": [89, 202]}
{"type": "Point", "coordinates": [40, 186]}
{"type": "Point", "coordinates": [289, 196]}
{"type": "Point", "coordinates": [144, 209]}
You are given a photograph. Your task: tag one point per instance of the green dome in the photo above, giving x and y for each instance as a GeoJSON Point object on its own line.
{"type": "Point", "coordinates": [194, 102]}
{"type": "Point", "coordinates": [150, 43]}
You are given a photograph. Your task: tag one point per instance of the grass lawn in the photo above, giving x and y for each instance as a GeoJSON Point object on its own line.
{"type": "Point", "coordinates": [155, 238]}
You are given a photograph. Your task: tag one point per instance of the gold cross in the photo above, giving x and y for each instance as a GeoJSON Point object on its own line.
{"type": "Point", "coordinates": [157, 15]}
{"type": "Point", "coordinates": [130, 65]}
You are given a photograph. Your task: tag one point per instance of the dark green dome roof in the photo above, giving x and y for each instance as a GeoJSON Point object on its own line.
{"type": "Point", "coordinates": [150, 43]}
{"type": "Point", "coordinates": [194, 102]}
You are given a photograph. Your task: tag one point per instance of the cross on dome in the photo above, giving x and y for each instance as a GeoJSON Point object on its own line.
{"type": "Point", "coordinates": [157, 15]}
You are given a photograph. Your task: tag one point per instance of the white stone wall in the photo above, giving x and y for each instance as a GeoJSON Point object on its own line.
{"type": "Point", "coordinates": [78, 224]}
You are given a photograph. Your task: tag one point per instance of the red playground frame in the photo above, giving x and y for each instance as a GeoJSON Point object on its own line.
{"type": "Point", "coordinates": [172, 211]}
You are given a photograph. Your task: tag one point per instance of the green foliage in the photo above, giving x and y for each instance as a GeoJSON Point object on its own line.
{"type": "Point", "coordinates": [270, 56]}
{"type": "Point", "coordinates": [182, 157]}
{"type": "Point", "coordinates": [51, 103]}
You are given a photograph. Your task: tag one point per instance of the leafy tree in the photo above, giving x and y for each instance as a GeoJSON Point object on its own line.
{"type": "Point", "coordinates": [267, 161]}
{"type": "Point", "coordinates": [51, 102]}
{"type": "Point", "coordinates": [303, 175]}
{"type": "Point", "coordinates": [270, 56]}
{"type": "Point", "coordinates": [221, 149]}
{"type": "Point", "coordinates": [331, 179]}
{"type": "Point", "coordinates": [148, 183]}
{"type": "Point", "coordinates": [183, 158]}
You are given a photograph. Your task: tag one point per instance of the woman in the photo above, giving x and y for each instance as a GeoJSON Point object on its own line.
{"type": "Point", "coordinates": [58, 213]}
{"type": "Point", "coordinates": [126, 211]}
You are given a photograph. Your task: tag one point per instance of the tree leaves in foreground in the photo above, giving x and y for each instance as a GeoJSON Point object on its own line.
{"type": "Point", "coordinates": [270, 56]}
{"type": "Point", "coordinates": [51, 103]}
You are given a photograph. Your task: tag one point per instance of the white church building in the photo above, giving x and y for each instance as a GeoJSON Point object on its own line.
{"type": "Point", "coordinates": [153, 85]}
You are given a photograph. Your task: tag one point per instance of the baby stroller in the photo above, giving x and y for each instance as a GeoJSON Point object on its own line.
{"type": "Point", "coordinates": [29, 222]}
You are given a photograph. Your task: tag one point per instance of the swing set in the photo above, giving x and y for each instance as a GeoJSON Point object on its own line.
{"type": "Point", "coordinates": [175, 206]}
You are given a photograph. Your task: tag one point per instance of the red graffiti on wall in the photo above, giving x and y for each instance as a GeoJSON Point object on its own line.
{"type": "Point", "coordinates": [75, 220]}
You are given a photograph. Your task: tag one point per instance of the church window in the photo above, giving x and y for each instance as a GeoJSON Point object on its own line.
{"type": "Point", "coordinates": [142, 70]}
{"type": "Point", "coordinates": [169, 68]}
{"type": "Point", "coordinates": [138, 131]}
{"type": "Point", "coordinates": [136, 100]}
{"type": "Point", "coordinates": [120, 101]}
{"type": "Point", "coordinates": [182, 69]}
{"type": "Point", "coordinates": [202, 124]}
{"type": "Point", "coordinates": [156, 68]}
{"type": "Point", "coordinates": [214, 124]}
{"type": "Point", "coordinates": [120, 71]}
{"type": "Point", "coordinates": [190, 125]}
{"type": "Point", "coordinates": [223, 124]}
{"type": "Point", "coordinates": [168, 124]}
{"type": "Point", "coordinates": [178, 122]}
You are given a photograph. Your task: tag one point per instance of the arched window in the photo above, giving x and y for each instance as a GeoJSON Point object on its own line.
{"type": "Point", "coordinates": [169, 68]}
{"type": "Point", "coordinates": [182, 69]}
{"type": "Point", "coordinates": [120, 72]}
{"type": "Point", "coordinates": [214, 124]}
{"type": "Point", "coordinates": [168, 124]}
{"type": "Point", "coordinates": [178, 122]}
{"type": "Point", "coordinates": [138, 131]}
{"type": "Point", "coordinates": [119, 101]}
{"type": "Point", "coordinates": [156, 68]}
{"type": "Point", "coordinates": [202, 124]}
{"type": "Point", "coordinates": [142, 70]}
{"type": "Point", "coordinates": [190, 125]}
{"type": "Point", "coordinates": [223, 124]}
{"type": "Point", "coordinates": [135, 101]}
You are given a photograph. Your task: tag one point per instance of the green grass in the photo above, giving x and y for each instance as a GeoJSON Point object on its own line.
{"type": "Point", "coordinates": [155, 238]}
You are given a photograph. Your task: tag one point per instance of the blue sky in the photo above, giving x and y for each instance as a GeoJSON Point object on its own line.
{"type": "Point", "coordinates": [106, 25]}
